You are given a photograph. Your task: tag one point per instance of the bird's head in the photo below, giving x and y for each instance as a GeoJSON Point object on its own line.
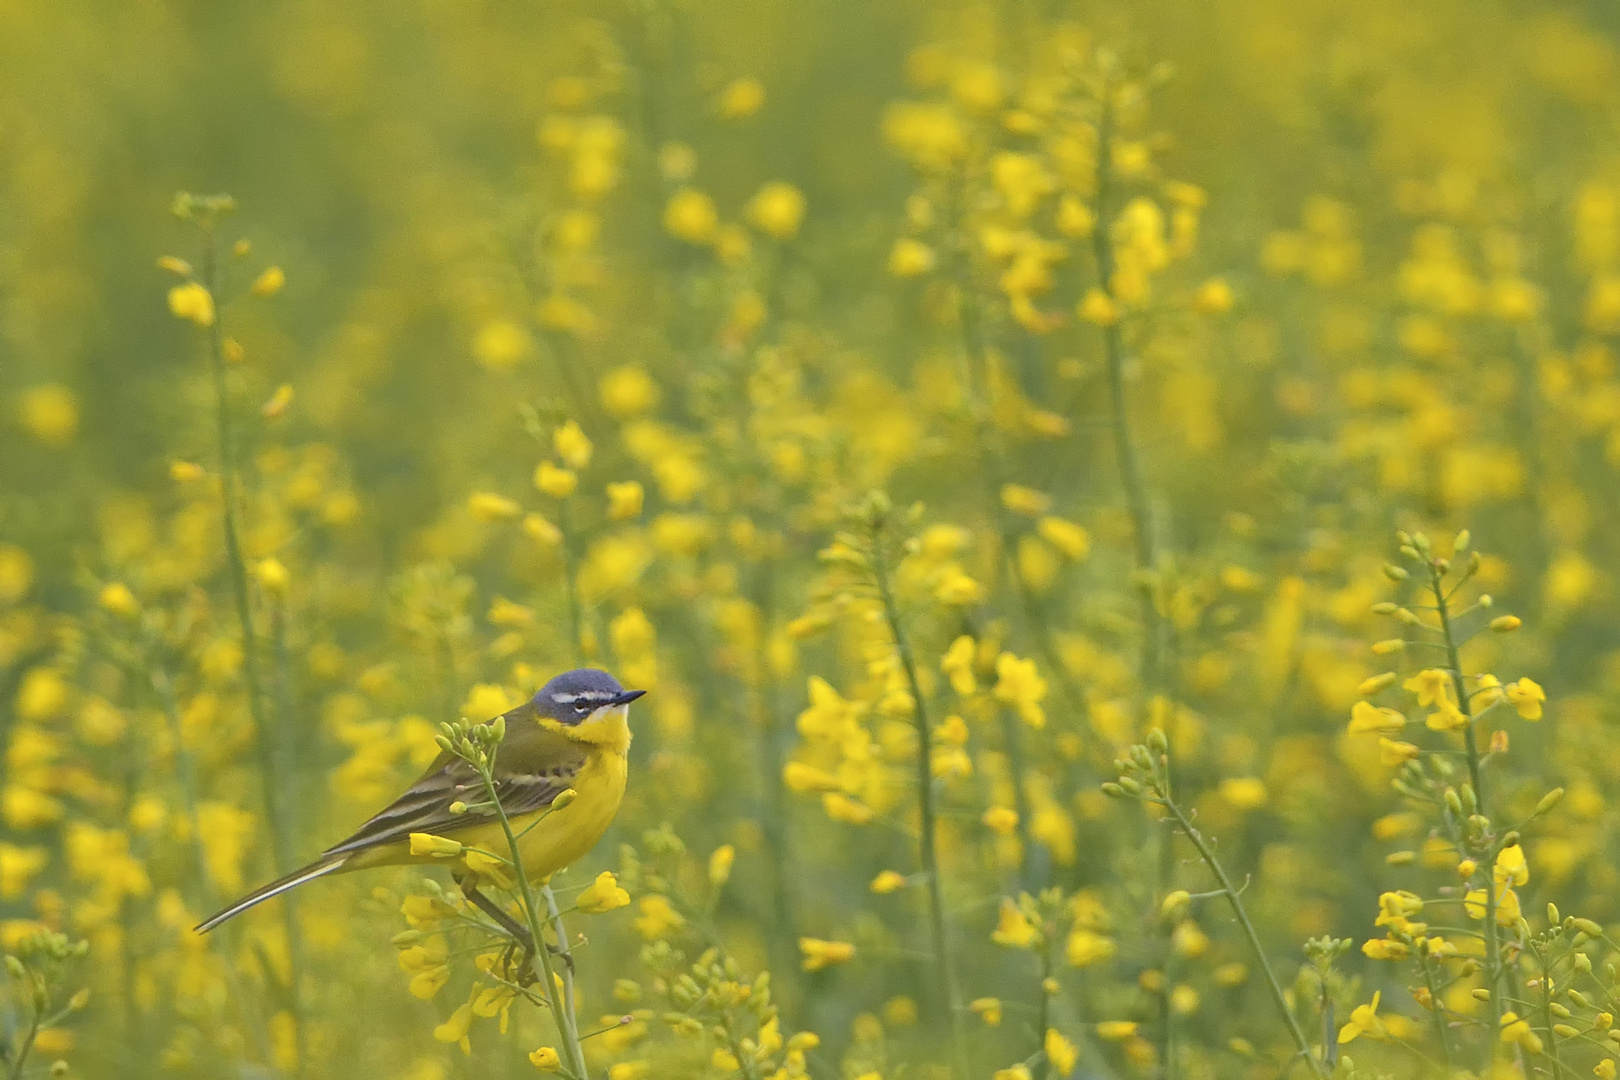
{"type": "Point", "coordinates": [577, 698]}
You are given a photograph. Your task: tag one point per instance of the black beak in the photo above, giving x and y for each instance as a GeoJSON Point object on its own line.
{"type": "Point", "coordinates": [628, 696]}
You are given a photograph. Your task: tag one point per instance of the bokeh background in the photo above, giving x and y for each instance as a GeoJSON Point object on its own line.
{"type": "Point", "coordinates": [1377, 287]}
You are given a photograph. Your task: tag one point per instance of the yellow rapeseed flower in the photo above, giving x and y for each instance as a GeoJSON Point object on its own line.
{"type": "Point", "coordinates": [192, 302]}
{"type": "Point", "coordinates": [603, 894]}
{"type": "Point", "coordinates": [777, 210]}
{"type": "Point", "coordinates": [819, 954]}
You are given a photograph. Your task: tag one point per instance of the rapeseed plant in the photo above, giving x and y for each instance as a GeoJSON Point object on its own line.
{"type": "Point", "coordinates": [955, 415]}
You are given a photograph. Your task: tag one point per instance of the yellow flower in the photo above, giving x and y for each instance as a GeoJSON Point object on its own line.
{"type": "Point", "coordinates": [1511, 867]}
{"type": "Point", "coordinates": [819, 954]}
{"type": "Point", "coordinates": [658, 917]}
{"type": "Point", "coordinates": [193, 303]}
{"type": "Point", "coordinates": [1071, 539]}
{"type": "Point", "coordinates": [1364, 1021]}
{"type": "Point", "coordinates": [604, 894]}
{"type": "Point", "coordinates": [625, 499]}
{"type": "Point", "coordinates": [499, 345]}
{"type": "Point", "coordinates": [1604, 1070]}
{"type": "Point", "coordinates": [1001, 819]}
{"type": "Point", "coordinates": [1515, 1030]}
{"type": "Point", "coordinates": [1018, 684]}
{"type": "Point", "coordinates": [1023, 500]}
{"type": "Point", "coordinates": [1376, 684]}
{"type": "Point", "coordinates": [777, 210]}
{"type": "Point", "coordinates": [454, 1030]}
{"type": "Point", "coordinates": [888, 881]}
{"type": "Point", "coordinates": [269, 282]}
{"type": "Point", "coordinates": [1431, 685]}
{"type": "Point", "coordinates": [957, 664]}
{"type": "Point", "coordinates": [1086, 947]}
{"type": "Point", "coordinates": [1368, 719]}
{"type": "Point", "coordinates": [1061, 1054]}
{"type": "Point", "coordinates": [16, 573]}
{"type": "Point", "coordinates": [1013, 929]}
{"type": "Point", "coordinates": [1393, 754]}
{"type": "Point", "coordinates": [690, 215]}
{"type": "Point", "coordinates": [628, 392]}
{"type": "Point", "coordinates": [557, 482]}
{"type": "Point", "coordinates": [50, 413]}
{"type": "Point", "coordinates": [546, 1059]}
{"type": "Point", "coordinates": [1116, 1030]}
{"type": "Point", "coordinates": [487, 506]}
{"type": "Point", "coordinates": [426, 844]}
{"type": "Point", "coordinates": [1526, 696]}
{"type": "Point", "coordinates": [720, 864]}
{"type": "Point", "coordinates": [1385, 949]}
{"type": "Point", "coordinates": [1244, 793]}
{"type": "Point", "coordinates": [117, 598]}
{"type": "Point", "coordinates": [1213, 297]}
{"type": "Point", "coordinates": [957, 590]}
{"type": "Point", "coordinates": [1098, 308]}
{"type": "Point", "coordinates": [571, 445]}
{"type": "Point", "coordinates": [988, 1009]}
{"type": "Point", "coordinates": [742, 98]}
{"type": "Point", "coordinates": [1016, 1072]}
{"type": "Point", "coordinates": [272, 576]}
{"type": "Point", "coordinates": [911, 258]}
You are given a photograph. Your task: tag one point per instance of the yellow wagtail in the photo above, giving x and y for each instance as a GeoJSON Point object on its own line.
{"type": "Point", "coordinates": [574, 733]}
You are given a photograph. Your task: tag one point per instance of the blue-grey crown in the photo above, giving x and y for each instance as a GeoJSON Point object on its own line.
{"type": "Point", "coordinates": [574, 695]}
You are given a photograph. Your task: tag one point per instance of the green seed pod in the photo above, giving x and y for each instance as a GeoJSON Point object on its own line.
{"type": "Point", "coordinates": [1395, 573]}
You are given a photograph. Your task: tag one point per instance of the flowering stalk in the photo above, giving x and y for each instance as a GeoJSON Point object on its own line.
{"type": "Point", "coordinates": [1146, 777]}
{"type": "Point", "coordinates": [207, 213]}
{"type": "Point", "coordinates": [877, 511]}
{"type": "Point", "coordinates": [1437, 570]}
{"type": "Point", "coordinates": [1130, 471]}
{"type": "Point", "coordinates": [476, 744]}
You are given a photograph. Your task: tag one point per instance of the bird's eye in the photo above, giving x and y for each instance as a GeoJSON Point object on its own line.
{"type": "Point", "coordinates": [582, 708]}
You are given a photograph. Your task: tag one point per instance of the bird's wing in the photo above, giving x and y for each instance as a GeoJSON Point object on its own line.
{"type": "Point", "coordinates": [532, 768]}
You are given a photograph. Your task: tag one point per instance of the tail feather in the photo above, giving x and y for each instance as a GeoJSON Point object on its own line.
{"type": "Point", "coordinates": [258, 896]}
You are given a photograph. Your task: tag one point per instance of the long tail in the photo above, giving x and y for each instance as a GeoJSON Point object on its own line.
{"type": "Point", "coordinates": [319, 868]}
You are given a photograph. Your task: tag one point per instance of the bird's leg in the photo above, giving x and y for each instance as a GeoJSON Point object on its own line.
{"type": "Point", "coordinates": [521, 937]}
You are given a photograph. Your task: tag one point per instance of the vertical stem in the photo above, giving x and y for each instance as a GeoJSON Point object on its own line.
{"type": "Point", "coordinates": [1012, 739]}
{"type": "Point", "coordinates": [1438, 1010]}
{"type": "Point", "coordinates": [186, 775]}
{"type": "Point", "coordinates": [562, 1011]}
{"type": "Point", "coordinates": [1547, 1017]}
{"type": "Point", "coordinates": [1232, 897]}
{"type": "Point", "coordinates": [1124, 444]}
{"type": "Point", "coordinates": [1493, 947]}
{"type": "Point", "coordinates": [576, 613]}
{"type": "Point", "coordinates": [928, 841]}
{"type": "Point", "coordinates": [265, 738]}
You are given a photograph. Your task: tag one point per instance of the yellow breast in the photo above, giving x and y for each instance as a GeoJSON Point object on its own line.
{"type": "Point", "coordinates": [566, 835]}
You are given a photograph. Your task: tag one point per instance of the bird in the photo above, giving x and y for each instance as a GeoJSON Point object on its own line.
{"type": "Point", "coordinates": [574, 734]}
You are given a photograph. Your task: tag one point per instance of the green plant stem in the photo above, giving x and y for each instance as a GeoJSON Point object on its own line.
{"type": "Point", "coordinates": [185, 773]}
{"type": "Point", "coordinates": [1493, 947]}
{"type": "Point", "coordinates": [1124, 443]}
{"type": "Point", "coordinates": [263, 740]}
{"type": "Point", "coordinates": [1547, 1019]}
{"type": "Point", "coordinates": [1438, 1010]}
{"type": "Point", "coordinates": [27, 1046]}
{"type": "Point", "coordinates": [928, 843]}
{"type": "Point", "coordinates": [266, 736]}
{"type": "Point", "coordinates": [567, 1023]}
{"type": "Point", "coordinates": [1243, 919]}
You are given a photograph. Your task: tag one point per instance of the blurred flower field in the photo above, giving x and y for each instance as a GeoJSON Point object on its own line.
{"type": "Point", "coordinates": [1116, 508]}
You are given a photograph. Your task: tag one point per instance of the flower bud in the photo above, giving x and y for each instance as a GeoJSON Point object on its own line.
{"type": "Point", "coordinates": [1550, 800]}
{"type": "Point", "coordinates": [1395, 573]}
{"type": "Point", "coordinates": [564, 799]}
{"type": "Point", "coordinates": [1506, 624]}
